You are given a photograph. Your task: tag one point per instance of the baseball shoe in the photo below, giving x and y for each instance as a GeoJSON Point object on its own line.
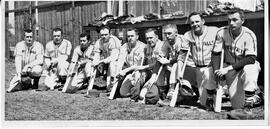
{"type": "Point", "coordinates": [210, 103]}
{"type": "Point", "coordinates": [170, 94]}
{"type": "Point", "coordinates": [255, 100]}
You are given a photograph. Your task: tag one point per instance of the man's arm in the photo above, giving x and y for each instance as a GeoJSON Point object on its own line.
{"type": "Point", "coordinates": [112, 57]}
{"type": "Point", "coordinates": [18, 64]}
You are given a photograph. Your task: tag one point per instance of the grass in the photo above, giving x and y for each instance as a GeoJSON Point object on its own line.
{"type": "Point", "coordinates": [55, 105]}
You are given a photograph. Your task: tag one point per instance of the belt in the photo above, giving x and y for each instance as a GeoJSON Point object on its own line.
{"type": "Point", "coordinates": [201, 66]}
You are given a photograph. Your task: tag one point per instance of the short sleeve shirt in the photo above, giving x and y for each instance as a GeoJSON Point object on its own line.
{"type": "Point", "coordinates": [160, 50]}
{"type": "Point", "coordinates": [235, 48]}
{"type": "Point", "coordinates": [79, 55]}
{"type": "Point", "coordinates": [53, 50]}
{"type": "Point", "coordinates": [202, 46]}
{"type": "Point", "coordinates": [105, 48]}
{"type": "Point", "coordinates": [133, 56]}
{"type": "Point", "coordinates": [29, 54]}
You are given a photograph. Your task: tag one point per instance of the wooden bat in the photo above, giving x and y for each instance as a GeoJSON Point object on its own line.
{"type": "Point", "coordinates": [176, 90]}
{"type": "Point", "coordinates": [91, 82]}
{"type": "Point", "coordinates": [114, 88]}
{"type": "Point", "coordinates": [218, 99]}
{"type": "Point", "coordinates": [69, 80]}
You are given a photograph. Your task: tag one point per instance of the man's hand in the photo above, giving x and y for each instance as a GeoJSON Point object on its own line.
{"type": "Point", "coordinates": [122, 73]}
{"type": "Point", "coordinates": [151, 81]}
{"type": "Point", "coordinates": [163, 61]}
{"type": "Point", "coordinates": [221, 72]}
{"type": "Point", "coordinates": [27, 68]}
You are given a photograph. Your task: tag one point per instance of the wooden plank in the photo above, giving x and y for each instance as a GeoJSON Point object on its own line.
{"type": "Point", "coordinates": [182, 20]}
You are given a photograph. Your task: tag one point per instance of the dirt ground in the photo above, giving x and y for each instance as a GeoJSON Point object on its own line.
{"type": "Point", "coordinates": [55, 105]}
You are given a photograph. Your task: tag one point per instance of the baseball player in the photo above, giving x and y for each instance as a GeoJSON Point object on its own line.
{"type": "Point", "coordinates": [28, 62]}
{"type": "Point", "coordinates": [83, 54]}
{"type": "Point", "coordinates": [132, 55]}
{"type": "Point", "coordinates": [57, 53]}
{"type": "Point", "coordinates": [174, 41]}
{"type": "Point", "coordinates": [200, 41]}
{"type": "Point", "coordinates": [107, 50]}
{"type": "Point", "coordinates": [240, 66]}
{"type": "Point", "coordinates": [155, 49]}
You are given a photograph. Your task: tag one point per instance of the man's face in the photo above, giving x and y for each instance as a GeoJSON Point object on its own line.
{"type": "Point", "coordinates": [132, 37]}
{"type": "Point", "coordinates": [235, 21]}
{"type": "Point", "coordinates": [170, 34]}
{"type": "Point", "coordinates": [84, 42]}
{"type": "Point", "coordinates": [105, 34]}
{"type": "Point", "coordinates": [151, 38]}
{"type": "Point", "coordinates": [196, 23]}
{"type": "Point", "coordinates": [28, 38]}
{"type": "Point", "coordinates": [57, 37]}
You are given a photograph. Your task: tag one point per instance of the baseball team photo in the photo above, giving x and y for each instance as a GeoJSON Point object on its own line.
{"type": "Point", "coordinates": [123, 60]}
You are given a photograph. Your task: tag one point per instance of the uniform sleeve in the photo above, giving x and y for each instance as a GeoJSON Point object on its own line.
{"type": "Point", "coordinates": [251, 45]}
{"type": "Point", "coordinates": [218, 43]}
{"type": "Point", "coordinates": [40, 50]}
{"type": "Point", "coordinates": [75, 55]}
{"type": "Point", "coordinates": [18, 50]}
{"type": "Point", "coordinates": [68, 49]}
{"type": "Point", "coordinates": [114, 43]}
{"type": "Point", "coordinates": [47, 53]}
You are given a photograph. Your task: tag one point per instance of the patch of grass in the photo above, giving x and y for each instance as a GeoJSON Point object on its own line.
{"type": "Point", "coordinates": [55, 105]}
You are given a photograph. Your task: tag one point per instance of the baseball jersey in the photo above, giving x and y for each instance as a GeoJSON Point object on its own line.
{"type": "Point", "coordinates": [104, 49]}
{"type": "Point", "coordinates": [235, 48]}
{"type": "Point", "coordinates": [79, 55]}
{"type": "Point", "coordinates": [202, 46]}
{"type": "Point", "coordinates": [132, 56]}
{"type": "Point", "coordinates": [160, 50]}
{"type": "Point", "coordinates": [29, 54]}
{"type": "Point", "coordinates": [175, 49]}
{"type": "Point", "coordinates": [53, 51]}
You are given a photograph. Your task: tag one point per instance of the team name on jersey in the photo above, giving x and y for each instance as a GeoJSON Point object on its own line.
{"type": "Point", "coordinates": [205, 43]}
{"type": "Point", "coordinates": [235, 50]}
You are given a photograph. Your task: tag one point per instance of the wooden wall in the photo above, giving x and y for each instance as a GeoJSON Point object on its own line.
{"type": "Point", "coordinates": [64, 16]}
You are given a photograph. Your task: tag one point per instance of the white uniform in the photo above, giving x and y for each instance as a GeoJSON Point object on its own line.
{"type": "Point", "coordinates": [201, 48]}
{"type": "Point", "coordinates": [28, 54]}
{"type": "Point", "coordinates": [54, 51]}
{"type": "Point", "coordinates": [235, 50]}
{"type": "Point", "coordinates": [79, 56]}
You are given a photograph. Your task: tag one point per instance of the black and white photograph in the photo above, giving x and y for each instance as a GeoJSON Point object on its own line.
{"type": "Point", "coordinates": [113, 63]}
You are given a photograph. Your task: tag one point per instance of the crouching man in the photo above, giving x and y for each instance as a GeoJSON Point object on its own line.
{"type": "Point", "coordinates": [240, 69]}
{"type": "Point", "coordinates": [28, 63]}
{"type": "Point", "coordinates": [82, 57]}
{"type": "Point", "coordinates": [56, 55]}
{"type": "Point", "coordinates": [132, 55]}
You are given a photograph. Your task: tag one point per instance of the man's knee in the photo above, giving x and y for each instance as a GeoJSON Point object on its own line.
{"type": "Point", "coordinates": [36, 71]}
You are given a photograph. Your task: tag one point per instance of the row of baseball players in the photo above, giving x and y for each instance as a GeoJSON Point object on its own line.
{"type": "Point", "coordinates": [139, 62]}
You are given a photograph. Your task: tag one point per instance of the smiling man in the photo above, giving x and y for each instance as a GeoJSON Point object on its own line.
{"type": "Point", "coordinates": [28, 62]}
{"type": "Point", "coordinates": [56, 55]}
{"type": "Point", "coordinates": [107, 50]}
{"type": "Point", "coordinates": [241, 69]}
{"type": "Point", "coordinates": [201, 40]}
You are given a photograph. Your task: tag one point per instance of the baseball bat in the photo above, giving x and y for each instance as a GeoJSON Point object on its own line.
{"type": "Point", "coordinates": [114, 88]}
{"type": "Point", "coordinates": [175, 93]}
{"type": "Point", "coordinates": [218, 99]}
{"type": "Point", "coordinates": [69, 80]}
{"type": "Point", "coordinates": [91, 82]}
